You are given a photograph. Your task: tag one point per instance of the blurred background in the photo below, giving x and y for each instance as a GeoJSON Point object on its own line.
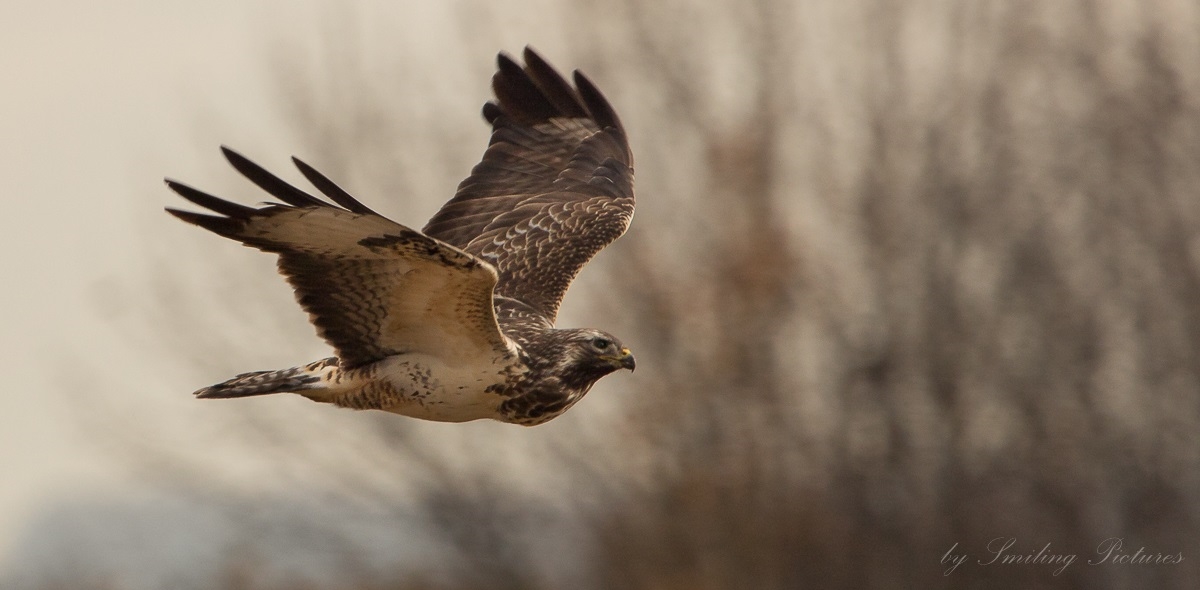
{"type": "Point", "coordinates": [907, 280]}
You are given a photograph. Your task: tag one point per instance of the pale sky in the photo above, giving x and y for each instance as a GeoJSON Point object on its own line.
{"type": "Point", "coordinates": [93, 94]}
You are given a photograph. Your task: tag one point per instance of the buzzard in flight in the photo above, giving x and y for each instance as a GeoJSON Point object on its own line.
{"type": "Point", "coordinates": [454, 322]}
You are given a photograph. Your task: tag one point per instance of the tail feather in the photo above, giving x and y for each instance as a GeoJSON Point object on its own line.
{"type": "Point", "coordinates": [296, 379]}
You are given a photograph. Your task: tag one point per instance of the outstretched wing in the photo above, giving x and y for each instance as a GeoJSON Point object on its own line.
{"type": "Point", "coordinates": [555, 185]}
{"type": "Point", "coordinates": [372, 287]}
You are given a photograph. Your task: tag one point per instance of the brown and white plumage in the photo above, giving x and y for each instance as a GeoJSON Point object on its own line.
{"type": "Point", "coordinates": [454, 322]}
{"type": "Point", "coordinates": [554, 187]}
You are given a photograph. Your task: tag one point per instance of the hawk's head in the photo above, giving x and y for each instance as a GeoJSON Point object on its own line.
{"type": "Point", "coordinates": [585, 355]}
{"type": "Point", "coordinates": [599, 353]}
{"type": "Point", "coordinates": [564, 364]}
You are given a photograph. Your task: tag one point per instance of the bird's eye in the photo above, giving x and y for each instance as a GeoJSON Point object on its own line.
{"type": "Point", "coordinates": [601, 343]}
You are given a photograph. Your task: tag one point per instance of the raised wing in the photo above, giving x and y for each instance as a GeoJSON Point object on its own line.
{"type": "Point", "coordinates": [555, 185]}
{"type": "Point", "coordinates": [372, 287]}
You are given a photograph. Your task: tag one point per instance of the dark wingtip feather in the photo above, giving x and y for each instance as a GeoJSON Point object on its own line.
{"type": "Point", "coordinates": [598, 106]}
{"type": "Point", "coordinates": [491, 112]}
{"type": "Point", "coordinates": [506, 63]}
{"type": "Point", "coordinates": [330, 189]}
{"type": "Point", "coordinates": [223, 226]}
{"type": "Point", "coordinates": [274, 185]}
{"type": "Point", "coordinates": [518, 95]}
{"type": "Point", "coordinates": [553, 86]}
{"type": "Point", "coordinates": [208, 201]}
{"type": "Point", "coordinates": [537, 92]}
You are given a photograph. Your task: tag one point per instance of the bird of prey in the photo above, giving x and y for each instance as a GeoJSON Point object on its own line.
{"type": "Point", "coordinates": [454, 322]}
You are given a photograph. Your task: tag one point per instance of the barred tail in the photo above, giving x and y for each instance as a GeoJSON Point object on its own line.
{"type": "Point", "coordinates": [311, 376]}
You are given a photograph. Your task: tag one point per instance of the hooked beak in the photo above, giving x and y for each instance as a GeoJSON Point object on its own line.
{"type": "Point", "coordinates": [625, 360]}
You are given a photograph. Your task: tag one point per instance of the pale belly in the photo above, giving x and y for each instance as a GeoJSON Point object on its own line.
{"type": "Point", "coordinates": [426, 388]}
